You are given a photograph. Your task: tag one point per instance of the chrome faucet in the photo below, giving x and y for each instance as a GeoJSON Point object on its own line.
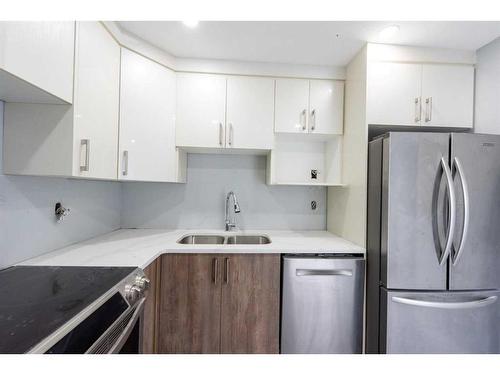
{"type": "Point", "coordinates": [236, 209]}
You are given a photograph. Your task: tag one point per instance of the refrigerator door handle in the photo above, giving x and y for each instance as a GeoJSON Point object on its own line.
{"type": "Point", "coordinates": [446, 305]}
{"type": "Point", "coordinates": [465, 191]}
{"type": "Point", "coordinates": [452, 212]}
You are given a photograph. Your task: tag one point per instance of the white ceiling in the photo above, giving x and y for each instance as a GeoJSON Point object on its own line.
{"type": "Point", "coordinates": [304, 42]}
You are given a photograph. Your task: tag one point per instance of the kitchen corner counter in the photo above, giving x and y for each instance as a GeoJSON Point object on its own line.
{"type": "Point", "coordinates": [139, 247]}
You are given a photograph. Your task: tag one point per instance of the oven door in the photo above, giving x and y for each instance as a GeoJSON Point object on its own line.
{"type": "Point", "coordinates": [124, 335]}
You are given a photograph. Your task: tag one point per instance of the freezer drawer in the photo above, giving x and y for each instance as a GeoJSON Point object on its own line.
{"type": "Point", "coordinates": [322, 305]}
{"type": "Point", "coordinates": [439, 322]}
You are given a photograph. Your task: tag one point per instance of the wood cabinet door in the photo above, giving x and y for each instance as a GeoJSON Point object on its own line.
{"type": "Point", "coordinates": [149, 320]}
{"type": "Point", "coordinates": [393, 94]}
{"type": "Point", "coordinates": [201, 110]}
{"type": "Point", "coordinates": [447, 95]}
{"type": "Point", "coordinates": [250, 113]}
{"type": "Point", "coordinates": [190, 297]}
{"type": "Point", "coordinates": [250, 303]}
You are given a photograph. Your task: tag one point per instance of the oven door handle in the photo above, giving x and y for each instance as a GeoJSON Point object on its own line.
{"type": "Point", "coordinates": [106, 344]}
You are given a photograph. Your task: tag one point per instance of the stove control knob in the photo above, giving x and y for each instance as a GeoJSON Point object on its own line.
{"type": "Point", "coordinates": [133, 292]}
{"type": "Point", "coordinates": [142, 282]}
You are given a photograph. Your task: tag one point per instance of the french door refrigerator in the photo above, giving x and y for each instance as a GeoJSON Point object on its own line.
{"type": "Point", "coordinates": [433, 275]}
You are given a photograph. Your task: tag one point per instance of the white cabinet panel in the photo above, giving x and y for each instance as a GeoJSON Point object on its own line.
{"type": "Point", "coordinates": [393, 96]}
{"type": "Point", "coordinates": [250, 113]}
{"type": "Point", "coordinates": [447, 95]}
{"type": "Point", "coordinates": [147, 120]}
{"type": "Point", "coordinates": [292, 104]}
{"type": "Point", "coordinates": [326, 107]}
{"type": "Point", "coordinates": [97, 85]}
{"type": "Point", "coordinates": [39, 54]}
{"type": "Point", "coordinates": [201, 107]}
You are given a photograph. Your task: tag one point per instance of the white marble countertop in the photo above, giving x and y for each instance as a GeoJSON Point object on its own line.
{"type": "Point", "coordinates": [139, 247]}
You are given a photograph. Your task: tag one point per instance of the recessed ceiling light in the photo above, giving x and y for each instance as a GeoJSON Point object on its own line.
{"type": "Point", "coordinates": [388, 32]}
{"type": "Point", "coordinates": [190, 23]}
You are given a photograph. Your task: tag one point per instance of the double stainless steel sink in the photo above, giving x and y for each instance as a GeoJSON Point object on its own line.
{"type": "Point", "coordinates": [214, 239]}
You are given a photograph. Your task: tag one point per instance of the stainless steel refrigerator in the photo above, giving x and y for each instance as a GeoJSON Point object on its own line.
{"type": "Point", "coordinates": [433, 259]}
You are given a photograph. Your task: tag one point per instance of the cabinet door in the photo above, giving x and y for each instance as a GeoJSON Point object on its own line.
{"type": "Point", "coordinates": [190, 296]}
{"type": "Point", "coordinates": [149, 319]}
{"type": "Point", "coordinates": [250, 112]}
{"type": "Point", "coordinates": [448, 95]}
{"type": "Point", "coordinates": [147, 120]}
{"type": "Point", "coordinates": [97, 85]}
{"type": "Point", "coordinates": [292, 104]}
{"type": "Point", "coordinates": [326, 108]}
{"type": "Point", "coordinates": [41, 54]}
{"type": "Point", "coordinates": [250, 304]}
{"type": "Point", "coordinates": [393, 94]}
{"type": "Point", "coordinates": [201, 110]}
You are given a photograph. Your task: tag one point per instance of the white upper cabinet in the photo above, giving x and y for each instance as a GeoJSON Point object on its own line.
{"type": "Point", "coordinates": [309, 106]}
{"type": "Point", "coordinates": [147, 121]}
{"type": "Point", "coordinates": [216, 111]}
{"type": "Point", "coordinates": [250, 113]}
{"type": "Point", "coordinates": [393, 94]}
{"type": "Point", "coordinates": [201, 110]}
{"type": "Point", "coordinates": [79, 140]}
{"type": "Point", "coordinates": [420, 94]}
{"type": "Point", "coordinates": [96, 106]}
{"type": "Point", "coordinates": [292, 106]}
{"type": "Point", "coordinates": [447, 95]}
{"type": "Point", "coordinates": [326, 107]}
{"type": "Point", "coordinates": [36, 62]}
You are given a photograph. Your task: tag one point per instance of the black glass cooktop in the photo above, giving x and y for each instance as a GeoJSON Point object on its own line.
{"type": "Point", "coordinates": [37, 300]}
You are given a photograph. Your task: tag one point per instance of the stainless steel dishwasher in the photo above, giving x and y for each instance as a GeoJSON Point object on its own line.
{"type": "Point", "coordinates": [322, 304]}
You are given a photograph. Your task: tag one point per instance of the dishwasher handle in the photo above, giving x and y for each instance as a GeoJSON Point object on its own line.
{"type": "Point", "coordinates": [323, 272]}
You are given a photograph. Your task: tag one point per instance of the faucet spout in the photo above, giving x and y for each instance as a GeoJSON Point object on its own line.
{"type": "Point", "coordinates": [236, 209]}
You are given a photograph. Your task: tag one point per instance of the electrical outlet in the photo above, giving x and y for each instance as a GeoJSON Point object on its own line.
{"type": "Point", "coordinates": [314, 205]}
{"type": "Point", "coordinates": [314, 174]}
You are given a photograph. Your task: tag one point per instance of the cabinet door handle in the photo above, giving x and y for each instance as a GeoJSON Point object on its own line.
{"type": "Point", "coordinates": [125, 163]}
{"type": "Point", "coordinates": [226, 273]}
{"type": "Point", "coordinates": [428, 109]}
{"type": "Point", "coordinates": [313, 119]}
{"type": "Point", "coordinates": [230, 134]}
{"type": "Point", "coordinates": [84, 167]}
{"type": "Point", "coordinates": [221, 134]}
{"type": "Point", "coordinates": [304, 119]}
{"type": "Point", "coordinates": [418, 109]}
{"type": "Point", "coordinates": [215, 270]}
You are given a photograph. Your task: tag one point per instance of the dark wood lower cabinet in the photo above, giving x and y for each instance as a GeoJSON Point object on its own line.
{"type": "Point", "coordinates": [150, 316]}
{"type": "Point", "coordinates": [189, 316]}
{"type": "Point", "coordinates": [250, 304]}
{"type": "Point", "coordinates": [213, 303]}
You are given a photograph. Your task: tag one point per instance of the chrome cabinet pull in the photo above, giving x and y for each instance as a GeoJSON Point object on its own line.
{"type": "Point", "coordinates": [84, 167]}
{"type": "Point", "coordinates": [304, 119]}
{"type": "Point", "coordinates": [428, 109]}
{"type": "Point", "coordinates": [313, 119]}
{"type": "Point", "coordinates": [221, 134]}
{"type": "Point", "coordinates": [230, 134]}
{"type": "Point", "coordinates": [418, 109]}
{"type": "Point", "coordinates": [125, 163]}
{"type": "Point", "coordinates": [226, 273]}
{"type": "Point", "coordinates": [446, 305]}
{"type": "Point", "coordinates": [308, 272]}
{"type": "Point", "coordinates": [465, 192]}
{"type": "Point", "coordinates": [215, 270]}
{"type": "Point", "coordinates": [452, 211]}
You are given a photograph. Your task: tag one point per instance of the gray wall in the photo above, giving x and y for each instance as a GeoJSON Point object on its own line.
{"type": "Point", "coordinates": [487, 107]}
{"type": "Point", "coordinates": [200, 202]}
{"type": "Point", "coordinates": [27, 225]}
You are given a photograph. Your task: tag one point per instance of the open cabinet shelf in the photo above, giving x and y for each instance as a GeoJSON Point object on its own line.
{"type": "Point", "coordinates": [293, 161]}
